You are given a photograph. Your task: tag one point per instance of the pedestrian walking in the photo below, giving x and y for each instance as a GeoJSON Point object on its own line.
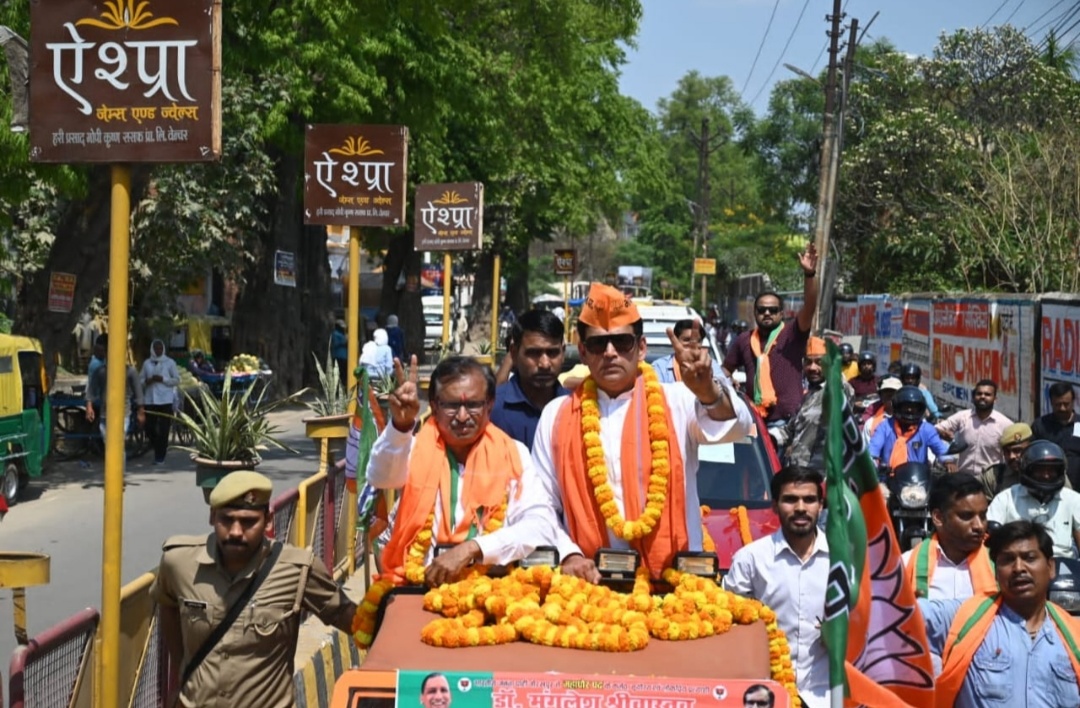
{"type": "Point", "coordinates": [160, 377]}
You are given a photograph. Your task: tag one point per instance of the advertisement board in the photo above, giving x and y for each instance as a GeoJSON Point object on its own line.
{"type": "Point", "coordinates": [449, 217]}
{"type": "Point", "coordinates": [846, 318]}
{"type": "Point", "coordinates": [1059, 349]}
{"type": "Point", "coordinates": [61, 291]}
{"type": "Point", "coordinates": [285, 268]}
{"type": "Point", "coordinates": [974, 339]}
{"type": "Point", "coordinates": [355, 174]}
{"type": "Point", "coordinates": [125, 82]}
{"type": "Point", "coordinates": [915, 335]}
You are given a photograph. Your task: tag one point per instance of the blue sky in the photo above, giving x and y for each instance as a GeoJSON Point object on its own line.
{"type": "Point", "coordinates": [721, 37]}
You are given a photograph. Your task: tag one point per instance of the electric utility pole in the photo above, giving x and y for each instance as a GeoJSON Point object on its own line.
{"type": "Point", "coordinates": [706, 146]}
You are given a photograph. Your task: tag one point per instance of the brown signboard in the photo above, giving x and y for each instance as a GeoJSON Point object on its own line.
{"type": "Point", "coordinates": [355, 174]}
{"type": "Point", "coordinates": [449, 217]}
{"type": "Point", "coordinates": [565, 261]}
{"type": "Point", "coordinates": [125, 81]}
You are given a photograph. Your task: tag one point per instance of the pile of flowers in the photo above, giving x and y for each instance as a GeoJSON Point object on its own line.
{"type": "Point", "coordinates": [543, 606]}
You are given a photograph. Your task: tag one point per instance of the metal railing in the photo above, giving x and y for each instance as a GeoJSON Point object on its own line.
{"type": "Point", "coordinates": [57, 667]}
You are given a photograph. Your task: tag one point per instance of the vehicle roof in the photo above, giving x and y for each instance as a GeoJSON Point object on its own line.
{"type": "Point", "coordinates": [10, 343]}
{"type": "Point", "coordinates": [667, 313]}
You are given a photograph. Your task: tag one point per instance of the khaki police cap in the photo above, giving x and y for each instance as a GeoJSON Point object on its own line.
{"type": "Point", "coordinates": [1015, 433]}
{"type": "Point", "coordinates": [242, 490]}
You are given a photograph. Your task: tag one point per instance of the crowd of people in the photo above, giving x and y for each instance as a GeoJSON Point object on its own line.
{"type": "Point", "coordinates": [609, 460]}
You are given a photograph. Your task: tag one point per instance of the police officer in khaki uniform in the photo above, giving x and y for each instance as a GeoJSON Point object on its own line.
{"type": "Point", "coordinates": [201, 577]}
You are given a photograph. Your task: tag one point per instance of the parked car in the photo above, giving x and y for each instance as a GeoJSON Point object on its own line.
{"type": "Point", "coordinates": [738, 474]}
{"type": "Point", "coordinates": [656, 319]}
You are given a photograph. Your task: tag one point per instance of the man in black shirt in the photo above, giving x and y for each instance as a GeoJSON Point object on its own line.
{"type": "Point", "coordinates": [1062, 426]}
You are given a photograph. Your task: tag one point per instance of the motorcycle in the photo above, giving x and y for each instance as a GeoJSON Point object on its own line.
{"type": "Point", "coordinates": [909, 502]}
{"type": "Point", "coordinates": [1065, 587]}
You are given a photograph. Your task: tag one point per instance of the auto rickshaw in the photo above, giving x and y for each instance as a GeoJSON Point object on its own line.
{"type": "Point", "coordinates": [25, 414]}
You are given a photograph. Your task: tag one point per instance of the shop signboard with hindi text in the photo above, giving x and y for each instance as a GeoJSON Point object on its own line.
{"type": "Point", "coordinates": [61, 291]}
{"type": "Point", "coordinates": [449, 217]}
{"type": "Point", "coordinates": [565, 262]}
{"type": "Point", "coordinates": [355, 174]}
{"type": "Point", "coordinates": [121, 81]}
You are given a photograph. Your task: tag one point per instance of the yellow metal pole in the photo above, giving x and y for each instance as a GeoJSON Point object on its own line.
{"type": "Point", "coordinates": [566, 303]}
{"type": "Point", "coordinates": [354, 309]}
{"type": "Point", "coordinates": [495, 289]}
{"type": "Point", "coordinates": [446, 277]}
{"type": "Point", "coordinates": [116, 391]}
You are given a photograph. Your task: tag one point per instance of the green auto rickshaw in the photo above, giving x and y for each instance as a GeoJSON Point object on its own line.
{"type": "Point", "coordinates": [25, 416]}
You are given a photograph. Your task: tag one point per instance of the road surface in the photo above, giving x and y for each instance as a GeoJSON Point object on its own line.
{"type": "Point", "coordinates": [61, 514]}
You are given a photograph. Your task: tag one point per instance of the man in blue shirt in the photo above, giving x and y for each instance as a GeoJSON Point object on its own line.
{"type": "Point", "coordinates": [339, 350]}
{"type": "Point", "coordinates": [908, 423]}
{"type": "Point", "coordinates": [685, 331]}
{"type": "Point", "coordinates": [536, 350]}
{"type": "Point", "coordinates": [1013, 648]}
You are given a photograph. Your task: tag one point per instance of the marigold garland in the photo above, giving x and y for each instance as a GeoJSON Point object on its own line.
{"type": "Point", "coordinates": [743, 519]}
{"type": "Point", "coordinates": [363, 624]}
{"type": "Point", "coordinates": [543, 606]}
{"type": "Point", "coordinates": [707, 543]}
{"type": "Point", "coordinates": [660, 472]}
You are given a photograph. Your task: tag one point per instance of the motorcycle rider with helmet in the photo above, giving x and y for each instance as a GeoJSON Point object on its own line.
{"type": "Point", "coordinates": [907, 437]}
{"type": "Point", "coordinates": [1042, 497]}
{"type": "Point", "coordinates": [911, 375]}
{"type": "Point", "coordinates": [865, 384]}
{"type": "Point", "coordinates": [849, 367]}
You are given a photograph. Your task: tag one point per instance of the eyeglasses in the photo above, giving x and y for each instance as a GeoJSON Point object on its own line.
{"type": "Point", "coordinates": [623, 343]}
{"type": "Point", "coordinates": [756, 703]}
{"type": "Point", "coordinates": [452, 407]}
{"type": "Point", "coordinates": [768, 310]}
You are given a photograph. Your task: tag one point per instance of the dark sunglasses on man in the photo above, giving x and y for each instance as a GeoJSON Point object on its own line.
{"type": "Point", "coordinates": [765, 310]}
{"type": "Point", "coordinates": [623, 343]}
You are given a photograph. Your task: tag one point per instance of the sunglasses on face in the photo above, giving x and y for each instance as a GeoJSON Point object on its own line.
{"type": "Point", "coordinates": [623, 343]}
{"type": "Point", "coordinates": [452, 407]}
{"type": "Point", "coordinates": [768, 310]}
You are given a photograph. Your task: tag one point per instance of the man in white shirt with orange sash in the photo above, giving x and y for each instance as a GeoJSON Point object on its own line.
{"type": "Point", "coordinates": [618, 457]}
{"type": "Point", "coordinates": [462, 478]}
{"type": "Point", "coordinates": [1013, 648]}
{"type": "Point", "coordinates": [953, 564]}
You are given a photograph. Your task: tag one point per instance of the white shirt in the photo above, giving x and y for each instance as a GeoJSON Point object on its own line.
{"type": "Point", "coordinates": [1060, 516]}
{"type": "Point", "coordinates": [950, 581]}
{"type": "Point", "coordinates": [983, 438]}
{"type": "Point", "coordinates": [160, 393]}
{"type": "Point", "coordinates": [526, 527]}
{"type": "Point", "coordinates": [693, 427]}
{"type": "Point", "coordinates": [769, 571]}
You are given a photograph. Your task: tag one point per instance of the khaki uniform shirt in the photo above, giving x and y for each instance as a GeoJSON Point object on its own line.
{"type": "Point", "coordinates": [252, 665]}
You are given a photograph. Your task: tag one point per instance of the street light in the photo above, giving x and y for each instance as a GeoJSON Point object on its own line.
{"type": "Point", "coordinates": [800, 72]}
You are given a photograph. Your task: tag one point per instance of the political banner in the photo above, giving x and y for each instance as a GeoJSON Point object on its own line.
{"type": "Point", "coordinates": [285, 268]}
{"type": "Point", "coordinates": [846, 318]}
{"type": "Point", "coordinates": [915, 335]}
{"type": "Point", "coordinates": [61, 292]}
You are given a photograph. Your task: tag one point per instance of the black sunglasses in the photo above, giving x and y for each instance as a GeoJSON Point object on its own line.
{"type": "Point", "coordinates": [623, 343]}
{"type": "Point", "coordinates": [768, 310]}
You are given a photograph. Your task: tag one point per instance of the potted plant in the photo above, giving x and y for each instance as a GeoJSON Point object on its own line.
{"type": "Point", "coordinates": [228, 432]}
{"type": "Point", "coordinates": [331, 408]}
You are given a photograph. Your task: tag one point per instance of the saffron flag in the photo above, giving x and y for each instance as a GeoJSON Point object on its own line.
{"type": "Point", "coordinates": [873, 630]}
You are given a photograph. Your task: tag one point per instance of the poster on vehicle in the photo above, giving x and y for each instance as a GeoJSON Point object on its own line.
{"type": "Point", "coordinates": [61, 292]}
{"type": "Point", "coordinates": [285, 268]}
{"type": "Point", "coordinates": [453, 689]}
{"type": "Point", "coordinates": [915, 335]}
{"type": "Point", "coordinates": [1059, 349]}
{"type": "Point", "coordinates": [974, 339]}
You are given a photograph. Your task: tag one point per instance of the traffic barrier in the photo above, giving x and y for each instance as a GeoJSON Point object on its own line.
{"type": "Point", "coordinates": [314, 683]}
{"type": "Point", "coordinates": [57, 667]}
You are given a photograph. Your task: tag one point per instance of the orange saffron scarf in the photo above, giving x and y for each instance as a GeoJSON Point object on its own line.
{"type": "Point", "coordinates": [923, 562]}
{"type": "Point", "coordinates": [764, 393]}
{"type": "Point", "coordinates": [584, 520]}
{"type": "Point", "coordinates": [967, 633]}
{"type": "Point", "coordinates": [492, 463]}
{"type": "Point", "coordinates": [899, 453]}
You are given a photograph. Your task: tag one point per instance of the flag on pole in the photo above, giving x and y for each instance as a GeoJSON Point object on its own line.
{"type": "Point", "coordinates": [873, 630]}
{"type": "Point", "coordinates": [364, 428]}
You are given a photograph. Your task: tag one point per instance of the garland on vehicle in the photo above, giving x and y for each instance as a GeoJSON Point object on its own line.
{"type": "Point", "coordinates": [743, 519]}
{"type": "Point", "coordinates": [546, 607]}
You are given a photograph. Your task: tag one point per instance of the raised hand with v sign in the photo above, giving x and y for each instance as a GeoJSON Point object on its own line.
{"type": "Point", "coordinates": [405, 399]}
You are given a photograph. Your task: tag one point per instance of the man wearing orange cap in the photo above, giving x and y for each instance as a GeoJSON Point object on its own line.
{"type": "Point", "coordinates": [803, 434]}
{"type": "Point", "coordinates": [618, 457]}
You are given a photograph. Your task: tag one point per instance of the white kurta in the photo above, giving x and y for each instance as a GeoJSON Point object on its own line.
{"type": "Point", "coordinates": [528, 522]}
{"type": "Point", "coordinates": [693, 427]}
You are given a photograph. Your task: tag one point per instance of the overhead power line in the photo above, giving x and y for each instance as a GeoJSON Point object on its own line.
{"type": "Point", "coordinates": [1056, 30]}
{"type": "Point", "coordinates": [782, 52]}
{"type": "Point", "coordinates": [992, 16]}
{"type": "Point", "coordinates": [1056, 5]}
{"type": "Point", "coordinates": [1058, 22]}
{"type": "Point", "coordinates": [761, 46]}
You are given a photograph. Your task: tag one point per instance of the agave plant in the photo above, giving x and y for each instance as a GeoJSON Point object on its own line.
{"type": "Point", "coordinates": [234, 427]}
{"type": "Point", "coordinates": [383, 385]}
{"type": "Point", "coordinates": [334, 398]}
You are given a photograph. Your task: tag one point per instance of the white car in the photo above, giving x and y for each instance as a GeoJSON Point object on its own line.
{"type": "Point", "coordinates": [656, 320]}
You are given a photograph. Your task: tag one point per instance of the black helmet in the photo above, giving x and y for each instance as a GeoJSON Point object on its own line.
{"type": "Point", "coordinates": [846, 349]}
{"type": "Point", "coordinates": [911, 370]}
{"type": "Point", "coordinates": [867, 356]}
{"type": "Point", "coordinates": [1043, 453]}
{"type": "Point", "coordinates": [740, 325]}
{"type": "Point", "coordinates": [906, 397]}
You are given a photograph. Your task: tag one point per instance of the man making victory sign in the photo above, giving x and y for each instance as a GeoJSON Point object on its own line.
{"type": "Point", "coordinates": [618, 457]}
